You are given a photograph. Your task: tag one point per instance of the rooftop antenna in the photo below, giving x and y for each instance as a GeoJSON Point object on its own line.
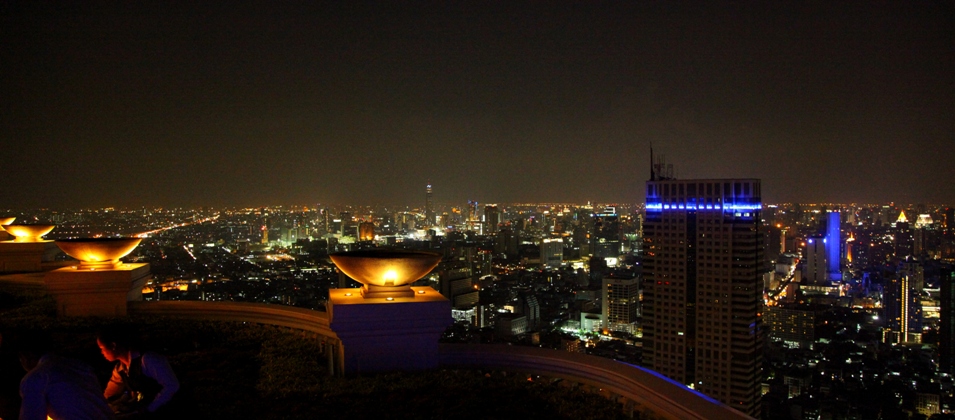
{"type": "Point", "coordinates": [653, 173]}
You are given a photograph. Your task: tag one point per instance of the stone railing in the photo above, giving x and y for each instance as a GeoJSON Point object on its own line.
{"type": "Point", "coordinates": [643, 388]}
{"type": "Point", "coordinates": [258, 313]}
{"type": "Point", "coordinates": [637, 388]}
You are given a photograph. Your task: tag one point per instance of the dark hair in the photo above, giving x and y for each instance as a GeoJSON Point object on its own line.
{"type": "Point", "coordinates": [124, 337]}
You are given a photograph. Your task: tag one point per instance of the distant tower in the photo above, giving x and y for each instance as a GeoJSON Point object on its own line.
{"type": "Point", "coordinates": [606, 234]}
{"type": "Point", "coordinates": [902, 305]}
{"type": "Point", "coordinates": [815, 269]}
{"type": "Point", "coordinates": [833, 247]}
{"type": "Point", "coordinates": [492, 217]}
{"type": "Point", "coordinates": [429, 207]}
{"type": "Point", "coordinates": [904, 240]}
{"type": "Point", "coordinates": [472, 222]}
{"type": "Point", "coordinates": [366, 231]}
{"type": "Point", "coordinates": [472, 210]}
{"type": "Point", "coordinates": [552, 252]}
{"type": "Point", "coordinates": [912, 285]}
{"type": "Point", "coordinates": [621, 300]}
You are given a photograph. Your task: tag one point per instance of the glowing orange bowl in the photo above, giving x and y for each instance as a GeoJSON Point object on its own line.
{"type": "Point", "coordinates": [98, 250]}
{"type": "Point", "coordinates": [28, 233]}
{"type": "Point", "coordinates": [6, 221]}
{"type": "Point", "coordinates": [386, 267]}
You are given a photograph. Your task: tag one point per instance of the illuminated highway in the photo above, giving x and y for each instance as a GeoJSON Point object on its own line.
{"type": "Point", "coordinates": [178, 225]}
{"type": "Point", "coordinates": [773, 297]}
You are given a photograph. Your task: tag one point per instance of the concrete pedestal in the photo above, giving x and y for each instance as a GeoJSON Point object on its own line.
{"type": "Point", "coordinates": [26, 257]}
{"type": "Point", "coordinates": [380, 335]}
{"type": "Point", "coordinates": [96, 292]}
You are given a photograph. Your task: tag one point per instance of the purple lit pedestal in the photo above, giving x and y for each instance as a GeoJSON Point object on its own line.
{"type": "Point", "coordinates": [101, 292]}
{"type": "Point", "coordinates": [380, 335]}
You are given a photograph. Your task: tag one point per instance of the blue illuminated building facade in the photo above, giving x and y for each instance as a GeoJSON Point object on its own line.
{"type": "Point", "coordinates": [703, 288]}
{"type": "Point", "coordinates": [834, 246]}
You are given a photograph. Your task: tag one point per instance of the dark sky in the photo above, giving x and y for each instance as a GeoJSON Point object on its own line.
{"type": "Point", "coordinates": [273, 102]}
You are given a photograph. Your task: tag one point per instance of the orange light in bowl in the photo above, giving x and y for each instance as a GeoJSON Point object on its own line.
{"type": "Point", "coordinates": [98, 252]}
{"type": "Point", "coordinates": [390, 277]}
{"type": "Point", "coordinates": [386, 272]}
{"type": "Point", "coordinates": [28, 233]}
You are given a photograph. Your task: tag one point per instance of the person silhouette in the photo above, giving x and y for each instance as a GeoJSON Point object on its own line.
{"type": "Point", "coordinates": [142, 382]}
{"type": "Point", "coordinates": [55, 386]}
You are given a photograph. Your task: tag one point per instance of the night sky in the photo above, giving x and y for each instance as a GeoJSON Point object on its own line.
{"type": "Point", "coordinates": [272, 102]}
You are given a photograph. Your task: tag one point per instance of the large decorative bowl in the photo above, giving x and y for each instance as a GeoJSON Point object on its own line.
{"type": "Point", "coordinates": [98, 253]}
{"type": "Point", "coordinates": [6, 221]}
{"type": "Point", "coordinates": [28, 233]}
{"type": "Point", "coordinates": [386, 272]}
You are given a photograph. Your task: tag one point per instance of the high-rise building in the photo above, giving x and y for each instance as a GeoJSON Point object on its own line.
{"type": "Point", "coordinates": [552, 252]}
{"type": "Point", "coordinates": [702, 286]}
{"type": "Point", "coordinates": [946, 331]}
{"type": "Point", "coordinates": [913, 282]}
{"type": "Point", "coordinates": [621, 301]}
{"type": "Point", "coordinates": [833, 244]}
{"type": "Point", "coordinates": [606, 235]}
{"type": "Point", "coordinates": [814, 270]}
{"type": "Point", "coordinates": [824, 253]}
{"type": "Point", "coordinates": [902, 306]}
{"type": "Point", "coordinates": [429, 207]}
{"type": "Point", "coordinates": [793, 326]}
{"type": "Point", "coordinates": [457, 285]}
{"type": "Point", "coordinates": [366, 231]}
{"type": "Point", "coordinates": [492, 218]}
{"type": "Point", "coordinates": [473, 223]}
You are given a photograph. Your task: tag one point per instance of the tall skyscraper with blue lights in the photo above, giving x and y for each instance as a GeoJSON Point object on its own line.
{"type": "Point", "coordinates": [702, 286]}
{"type": "Point", "coordinates": [833, 244]}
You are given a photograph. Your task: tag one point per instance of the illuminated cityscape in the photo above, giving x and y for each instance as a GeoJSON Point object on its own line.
{"type": "Point", "coordinates": [250, 185]}
{"type": "Point", "coordinates": [876, 323]}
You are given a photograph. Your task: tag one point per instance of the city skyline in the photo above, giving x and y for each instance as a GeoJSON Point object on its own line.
{"type": "Point", "coordinates": [217, 104]}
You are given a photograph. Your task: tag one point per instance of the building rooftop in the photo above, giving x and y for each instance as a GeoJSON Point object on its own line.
{"type": "Point", "coordinates": [272, 361]}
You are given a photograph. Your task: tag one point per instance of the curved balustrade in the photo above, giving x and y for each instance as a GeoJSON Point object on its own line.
{"type": "Point", "coordinates": [259, 313]}
{"type": "Point", "coordinates": [663, 397]}
{"type": "Point", "coordinates": [645, 388]}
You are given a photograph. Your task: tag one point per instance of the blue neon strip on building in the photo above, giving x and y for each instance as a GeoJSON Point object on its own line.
{"type": "Point", "coordinates": [729, 207]}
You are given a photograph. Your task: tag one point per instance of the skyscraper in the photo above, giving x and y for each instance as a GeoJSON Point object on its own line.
{"type": "Point", "coordinates": [621, 300]}
{"type": "Point", "coordinates": [552, 252]}
{"type": "Point", "coordinates": [833, 243]}
{"type": "Point", "coordinates": [816, 265]}
{"type": "Point", "coordinates": [946, 331]}
{"type": "Point", "coordinates": [429, 207]}
{"type": "Point", "coordinates": [492, 218]}
{"type": "Point", "coordinates": [702, 286]}
{"type": "Point", "coordinates": [605, 238]}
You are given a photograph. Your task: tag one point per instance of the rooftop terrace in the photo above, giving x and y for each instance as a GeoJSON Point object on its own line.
{"type": "Point", "coordinates": [249, 360]}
